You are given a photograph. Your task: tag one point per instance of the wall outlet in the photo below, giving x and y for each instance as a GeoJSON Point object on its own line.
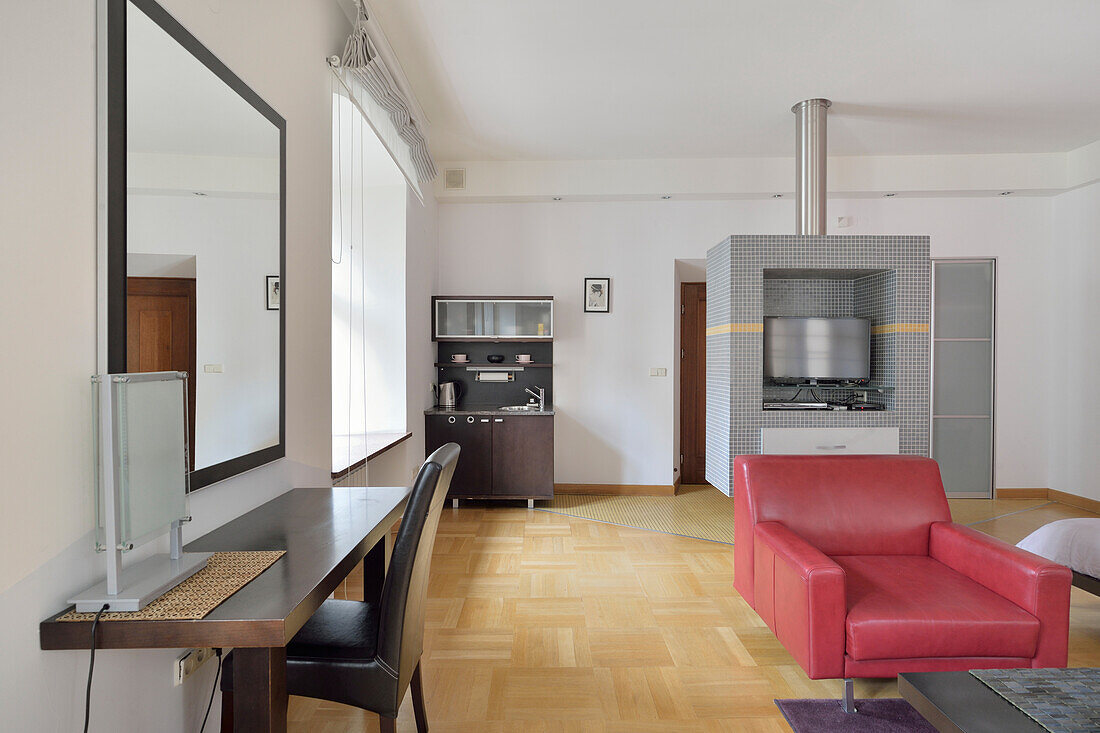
{"type": "Point", "coordinates": [189, 662]}
{"type": "Point", "coordinates": [658, 372]}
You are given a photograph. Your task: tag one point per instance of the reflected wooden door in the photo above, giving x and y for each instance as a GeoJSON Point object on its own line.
{"type": "Point", "coordinates": [160, 333]}
{"type": "Point", "coordinates": [693, 382]}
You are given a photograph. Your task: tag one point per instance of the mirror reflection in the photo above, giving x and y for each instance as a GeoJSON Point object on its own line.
{"type": "Point", "coordinates": [203, 243]}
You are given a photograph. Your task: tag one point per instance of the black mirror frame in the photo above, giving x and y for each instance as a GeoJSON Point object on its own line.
{"type": "Point", "coordinates": [112, 163]}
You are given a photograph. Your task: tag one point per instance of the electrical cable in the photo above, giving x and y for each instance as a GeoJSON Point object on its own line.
{"type": "Point", "coordinates": [91, 668]}
{"type": "Point", "coordinates": [216, 676]}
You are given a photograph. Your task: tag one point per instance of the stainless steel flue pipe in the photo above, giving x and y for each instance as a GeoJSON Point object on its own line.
{"type": "Point", "coordinates": [811, 149]}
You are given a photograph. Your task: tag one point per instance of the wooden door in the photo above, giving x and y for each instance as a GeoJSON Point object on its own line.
{"type": "Point", "coordinates": [160, 333]}
{"type": "Point", "coordinates": [473, 473]}
{"type": "Point", "coordinates": [523, 456]}
{"type": "Point", "coordinates": [693, 382]}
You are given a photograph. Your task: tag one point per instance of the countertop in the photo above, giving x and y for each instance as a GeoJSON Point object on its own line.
{"type": "Point", "coordinates": [488, 410]}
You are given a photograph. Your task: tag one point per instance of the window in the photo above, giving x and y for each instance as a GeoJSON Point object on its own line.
{"type": "Point", "coordinates": [368, 288]}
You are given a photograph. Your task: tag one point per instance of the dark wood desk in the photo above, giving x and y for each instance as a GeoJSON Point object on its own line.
{"type": "Point", "coordinates": [958, 702]}
{"type": "Point", "coordinates": [325, 533]}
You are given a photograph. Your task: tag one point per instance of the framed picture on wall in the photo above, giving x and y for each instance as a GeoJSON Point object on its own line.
{"type": "Point", "coordinates": [597, 295]}
{"type": "Point", "coordinates": [273, 292]}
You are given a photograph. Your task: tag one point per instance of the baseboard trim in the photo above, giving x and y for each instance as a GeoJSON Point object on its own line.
{"type": "Point", "coordinates": [1062, 497]}
{"type": "Point", "coordinates": [617, 489]}
{"type": "Point", "coordinates": [1037, 493]}
{"type": "Point", "coordinates": [1080, 502]}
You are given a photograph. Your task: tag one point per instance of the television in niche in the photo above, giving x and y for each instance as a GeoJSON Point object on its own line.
{"type": "Point", "coordinates": [822, 349]}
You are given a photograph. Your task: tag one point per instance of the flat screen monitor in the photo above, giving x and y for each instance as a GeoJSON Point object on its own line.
{"type": "Point", "coordinates": [836, 349]}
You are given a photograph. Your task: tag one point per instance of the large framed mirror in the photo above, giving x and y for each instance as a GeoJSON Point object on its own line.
{"type": "Point", "coordinates": [192, 188]}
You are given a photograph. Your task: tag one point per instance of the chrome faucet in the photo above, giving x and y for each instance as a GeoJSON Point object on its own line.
{"type": "Point", "coordinates": [540, 396]}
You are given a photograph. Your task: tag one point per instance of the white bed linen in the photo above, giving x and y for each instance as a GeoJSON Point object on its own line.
{"type": "Point", "coordinates": [1071, 542]}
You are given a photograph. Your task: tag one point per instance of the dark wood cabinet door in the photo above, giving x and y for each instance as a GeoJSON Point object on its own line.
{"type": "Point", "coordinates": [473, 474]}
{"type": "Point", "coordinates": [523, 456]}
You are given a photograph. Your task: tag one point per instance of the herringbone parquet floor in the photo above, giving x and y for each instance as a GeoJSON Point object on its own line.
{"type": "Point", "coordinates": [552, 624]}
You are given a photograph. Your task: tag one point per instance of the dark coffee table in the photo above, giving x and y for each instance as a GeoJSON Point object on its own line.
{"type": "Point", "coordinates": [957, 702]}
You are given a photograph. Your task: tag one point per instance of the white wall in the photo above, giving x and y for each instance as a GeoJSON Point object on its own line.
{"type": "Point", "coordinates": [47, 317]}
{"type": "Point", "coordinates": [1074, 342]}
{"type": "Point", "coordinates": [235, 243]}
{"type": "Point", "coordinates": [615, 423]}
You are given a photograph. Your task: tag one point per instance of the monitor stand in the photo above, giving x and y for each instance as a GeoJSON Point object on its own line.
{"type": "Point", "coordinates": [141, 583]}
{"type": "Point", "coordinates": [133, 588]}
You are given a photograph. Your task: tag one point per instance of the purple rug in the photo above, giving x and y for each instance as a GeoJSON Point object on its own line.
{"type": "Point", "coordinates": [884, 715]}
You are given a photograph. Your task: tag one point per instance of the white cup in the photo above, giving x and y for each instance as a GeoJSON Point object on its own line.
{"type": "Point", "coordinates": [523, 358]}
{"type": "Point", "coordinates": [459, 358]}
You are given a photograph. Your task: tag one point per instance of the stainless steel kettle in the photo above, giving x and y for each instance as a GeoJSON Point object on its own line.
{"type": "Point", "coordinates": [448, 395]}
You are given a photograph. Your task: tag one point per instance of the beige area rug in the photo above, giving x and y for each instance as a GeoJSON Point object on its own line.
{"type": "Point", "coordinates": [702, 512]}
{"type": "Point", "coordinates": [225, 574]}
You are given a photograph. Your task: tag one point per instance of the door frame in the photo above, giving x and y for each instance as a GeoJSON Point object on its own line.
{"type": "Point", "coordinates": [993, 368]}
{"type": "Point", "coordinates": [683, 378]}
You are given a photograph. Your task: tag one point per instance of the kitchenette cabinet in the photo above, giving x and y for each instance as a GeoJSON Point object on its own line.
{"type": "Point", "coordinates": [503, 456]}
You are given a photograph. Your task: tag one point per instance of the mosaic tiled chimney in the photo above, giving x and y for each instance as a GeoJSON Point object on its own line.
{"type": "Point", "coordinates": [884, 278]}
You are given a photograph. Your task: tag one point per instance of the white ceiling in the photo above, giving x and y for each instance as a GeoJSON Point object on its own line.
{"type": "Point", "coordinates": [601, 79]}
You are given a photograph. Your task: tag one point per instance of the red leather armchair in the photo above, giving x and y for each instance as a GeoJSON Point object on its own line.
{"type": "Point", "coordinates": [855, 565]}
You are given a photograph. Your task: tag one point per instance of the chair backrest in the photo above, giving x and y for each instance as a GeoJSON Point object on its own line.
{"type": "Point", "coordinates": [843, 505]}
{"type": "Point", "coordinates": [405, 591]}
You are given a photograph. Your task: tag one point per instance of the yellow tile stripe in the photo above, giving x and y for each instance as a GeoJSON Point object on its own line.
{"type": "Point", "coordinates": [736, 328]}
{"type": "Point", "coordinates": [900, 328]}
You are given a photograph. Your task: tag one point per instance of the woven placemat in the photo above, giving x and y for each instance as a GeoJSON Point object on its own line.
{"type": "Point", "coordinates": [1060, 700]}
{"type": "Point", "coordinates": [225, 574]}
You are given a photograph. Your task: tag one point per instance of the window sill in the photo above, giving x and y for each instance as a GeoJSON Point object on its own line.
{"type": "Point", "coordinates": [360, 449]}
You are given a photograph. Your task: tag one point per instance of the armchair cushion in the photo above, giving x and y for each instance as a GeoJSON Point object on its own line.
{"type": "Point", "coordinates": [909, 607]}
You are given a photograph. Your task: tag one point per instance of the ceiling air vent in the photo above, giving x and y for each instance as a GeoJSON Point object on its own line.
{"type": "Point", "coordinates": [455, 179]}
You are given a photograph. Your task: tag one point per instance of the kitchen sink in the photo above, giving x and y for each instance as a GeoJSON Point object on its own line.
{"type": "Point", "coordinates": [520, 408]}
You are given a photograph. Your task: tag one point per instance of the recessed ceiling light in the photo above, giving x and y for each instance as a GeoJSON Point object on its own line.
{"type": "Point", "coordinates": [557, 198]}
{"type": "Point", "coordinates": [1007, 193]}
{"type": "Point", "coordinates": [665, 198]}
{"type": "Point", "coordinates": [889, 195]}
{"type": "Point", "coordinates": [777, 195]}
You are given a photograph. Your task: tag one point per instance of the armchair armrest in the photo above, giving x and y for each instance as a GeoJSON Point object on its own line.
{"type": "Point", "coordinates": [1037, 585]}
{"type": "Point", "coordinates": [800, 595]}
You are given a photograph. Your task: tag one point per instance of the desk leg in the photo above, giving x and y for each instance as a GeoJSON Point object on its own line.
{"type": "Point", "coordinates": [374, 568]}
{"type": "Point", "coordinates": [259, 690]}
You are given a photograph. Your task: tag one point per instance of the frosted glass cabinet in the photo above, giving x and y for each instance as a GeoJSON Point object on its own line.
{"type": "Point", "coordinates": [492, 319]}
{"type": "Point", "coordinates": [962, 374]}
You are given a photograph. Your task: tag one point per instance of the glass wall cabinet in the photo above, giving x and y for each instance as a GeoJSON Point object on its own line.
{"type": "Point", "coordinates": [492, 319]}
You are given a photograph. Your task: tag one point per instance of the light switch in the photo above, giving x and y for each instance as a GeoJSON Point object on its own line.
{"type": "Point", "coordinates": [658, 372]}
{"type": "Point", "coordinates": [212, 368]}
{"type": "Point", "coordinates": [843, 221]}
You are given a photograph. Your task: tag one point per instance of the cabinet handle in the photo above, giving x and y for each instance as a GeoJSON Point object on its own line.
{"type": "Point", "coordinates": [484, 419]}
{"type": "Point", "coordinates": [830, 447]}
{"type": "Point", "coordinates": [499, 419]}
{"type": "Point", "coordinates": [451, 420]}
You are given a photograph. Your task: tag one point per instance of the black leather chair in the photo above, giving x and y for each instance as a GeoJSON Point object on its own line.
{"type": "Point", "coordinates": [367, 654]}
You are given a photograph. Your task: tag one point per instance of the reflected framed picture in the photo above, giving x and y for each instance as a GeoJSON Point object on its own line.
{"type": "Point", "coordinates": [274, 292]}
{"type": "Point", "coordinates": [597, 295]}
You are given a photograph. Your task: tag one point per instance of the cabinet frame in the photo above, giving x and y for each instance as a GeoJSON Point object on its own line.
{"type": "Point", "coordinates": [933, 339]}
{"type": "Point", "coordinates": [490, 299]}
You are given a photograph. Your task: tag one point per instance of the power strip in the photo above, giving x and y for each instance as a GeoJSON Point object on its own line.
{"type": "Point", "coordinates": [189, 662]}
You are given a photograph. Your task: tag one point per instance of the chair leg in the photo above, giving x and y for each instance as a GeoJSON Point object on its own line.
{"type": "Point", "coordinates": [387, 725]}
{"type": "Point", "coordinates": [418, 701]}
{"type": "Point", "coordinates": [227, 712]}
{"type": "Point", "coordinates": [849, 702]}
